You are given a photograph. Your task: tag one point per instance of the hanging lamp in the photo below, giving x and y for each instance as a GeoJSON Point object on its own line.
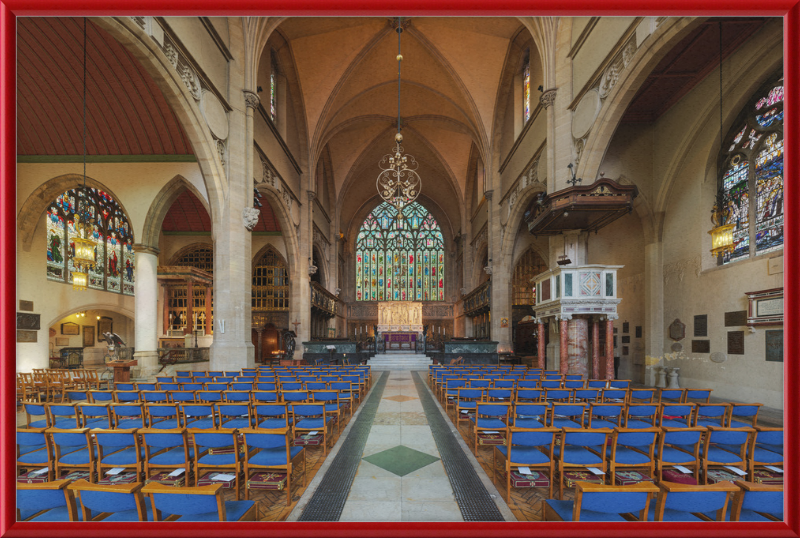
{"type": "Point", "coordinates": [84, 257]}
{"type": "Point", "coordinates": [722, 232]}
{"type": "Point", "coordinates": [398, 183]}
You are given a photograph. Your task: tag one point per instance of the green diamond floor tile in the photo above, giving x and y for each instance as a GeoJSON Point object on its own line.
{"type": "Point", "coordinates": [401, 460]}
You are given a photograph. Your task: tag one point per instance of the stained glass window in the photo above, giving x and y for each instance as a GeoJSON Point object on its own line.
{"type": "Point", "coordinates": [526, 89]}
{"type": "Point", "coordinates": [400, 259]}
{"type": "Point", "coordinates": [272, 98]}
{"type": "Point", "coordinates": [106, 224]}
{"type": "Point", "coordinates": [753, 167]}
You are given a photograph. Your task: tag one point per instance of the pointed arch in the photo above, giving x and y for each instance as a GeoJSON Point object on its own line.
{"type": "Point", "coordinates": [159, 208]}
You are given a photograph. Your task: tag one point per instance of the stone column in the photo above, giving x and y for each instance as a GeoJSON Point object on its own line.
{"type": "Point", "coordinates": [596, 349]}
{"type": "Point", "coordinates": [563, 365]}
{"type": "Point", "coordinates": [146, 314]}
{"type": "Point", "coordinates": [609, 348]}
{"type": "Point", "coordinates": [259, 352]}
{"type": "Point", "coordinates": [548, 99]}
{"type": "Point", "coordinates": [540, 345]}
{"type": "Point", "coordinates": [578, 344]}
{"type": "Point", "coordinates": [209, 316]}
{"type": "Point", "coordinates": [653, 307]}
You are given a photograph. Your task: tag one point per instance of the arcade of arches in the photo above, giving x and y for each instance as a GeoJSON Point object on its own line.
{"type": "Point", "coordinates": [231, 166]}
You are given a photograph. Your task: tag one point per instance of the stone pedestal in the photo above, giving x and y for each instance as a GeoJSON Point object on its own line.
{"type": "Point", "coordinates": [660, 374]}
{"type": "Point", "coordinates": [672, 378]}
{"type": "Point", "coordinates": [146, 313]}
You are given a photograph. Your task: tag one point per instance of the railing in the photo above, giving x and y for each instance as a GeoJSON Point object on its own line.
{"type": "Point", "coordinates": [322, 300]}
{"type": "Point", "coordinates": [180, 355]}
{"type": "Point", "coordinates": [479, 300]}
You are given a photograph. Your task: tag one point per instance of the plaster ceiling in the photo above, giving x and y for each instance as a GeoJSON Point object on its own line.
{"type": "Point", "coordinates": [126, 111]}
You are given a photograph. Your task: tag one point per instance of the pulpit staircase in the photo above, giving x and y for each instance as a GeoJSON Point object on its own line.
{"type": "Point", "coordinates": [399, 361]}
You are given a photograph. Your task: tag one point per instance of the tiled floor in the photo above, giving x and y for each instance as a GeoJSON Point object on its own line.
{"type": "Point", "coordinates": [400, 477]}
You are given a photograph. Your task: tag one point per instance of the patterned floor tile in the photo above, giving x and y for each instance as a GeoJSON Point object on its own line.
{"type": "Point", "coordinates": [401, 460]}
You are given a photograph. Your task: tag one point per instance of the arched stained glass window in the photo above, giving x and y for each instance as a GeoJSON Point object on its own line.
{"type": "Point", "coordinates": [114, 265]}
{"type": "Point", "coordinates": [526, 89]}
{"type": "Point", "coordinates": [752, 167]}
{"type": "Point", "coordinates": [400, 259]}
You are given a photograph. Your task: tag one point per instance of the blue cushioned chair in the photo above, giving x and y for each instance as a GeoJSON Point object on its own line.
{"type": "Point", "coordinates": [272, 451]}
{"type": "Point", "coordinates": [766, 448]}
{"type": "Point", "coordinates": [240, 387]}
{"type": "Point", "coordinates": [348, 395]}
{"type": "Point", "coordinates": [75, 396]}
{"type": "Point", "coordinates": [332, 405]}
{"type": "Point", "coordinates": [725, 447]}
{"type": "Point", "coordinates": [619, 383]}
{"type": "Point", "coordinates": [307, 417]}
{"type": "Point", "coordinates": [165, 379]}
{"type": "Point", "coordinates": [710, 415]}
{"type": "Point", "coordinates": [163, 416]}
{"type": "Point", "coordinates": [209, 396]}
{"type": "Point", "coordinates": [596, 384]}
{"type": "Point", "coordinates": [558, 395]}
{"type": "Point", "coordinates": [33, 450]}
{"type": "Point", "coordinates": [580, 449]}
{"type": "Point", "coordinates": [670, 395]}
{"type": "Point", "coordinates": [567, 415]}
{"type": "Point", "coordinates": [757, 502]}
{"type": "Point", "coordinates": [493, 416]}
{"type": "Point", "coordinates": [499, 395]}
{"type": "Point", "coordinates": [191, 386]}
{"type": "Point", "coordinates": [633, 449]}
{"type": "Point", "coordinates": [573, 384]}
{"type": "Point", "coordinates": [743, 415]}
{"type": "Point", "coordinates": [207, 456]}
{"type": "Point", "coordinates": [116, 502]}
{"type": "Point", "coordinates": [676, 415]}
{"type": "Point", "coordinates": [601, 502]}
{"type": "Point", "coordinates": [527, 384]}
{"type": "Point", "coordinates": [697, 395]}
{"type": "Point", "coordinates": [265, 396]}
{"type": "Point", "coordinates": [63, 416]}
{"type": "Point", "coordinates": [124, 386]}
{"type": "Point", "coordinates": [154, 396]}
{"type": "Point", "coordinates": [101, 396]}
{"type": "Point", "coordinates": [679, 446]}
{"type": "Point", "coordinates": [266, 386]}
{"type": "Point", "coordinates": [119, 448]}
{"type": "Point", "coordinates": [291, 385]}
{"type": "Point", "coordinates": [295, 396]}
{"type": "Point", "coordinates": [526, 448]}
{"type": "Point", "coordinates": [204, 503]}
{"type": "Point", "coordinates": [271, 416]}
{"type": "Point", "coordinates": [95, 415]}
{"type": "Point", "coordinates": [641, 416]}
{"type": "Point", "coordinates": [126, 416]}
{"type": "Point", "coordinates": [683, 502]}
{"type": "Point", "coordinates": [57, 502]}
{"type": "Point", "coordinates": [234, 415]}
{"type": "Point", "coordinates": [72, 450]}
{"type": "Point", "coordinates": [614, 395]}
{"type": "Point", "coordinates": [202, 416]}
{"type": "Point", "coordinates": [530, 415]}
{"type": "Point", "coordinates": [641, 396]}
{"type": "Point", "coordinates": [550, 384]}
{"type": "Point", "coordinates": [127, 396]}
{"type": "Point", "coordinates": [34, 410]}
{"type": "Point", "coordinates": [603, 415]}
{"type": "Point", "coordinates": [166, 450]}
{"type": "Point", "coordinates": [466, 403]}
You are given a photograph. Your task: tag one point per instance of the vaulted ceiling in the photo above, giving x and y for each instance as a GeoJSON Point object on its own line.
{"type": "Point", "coordinates": [126, 113]}
{"type": "Point", "coordinates": [347, 72]}
{"type": "Point", "coordinates": [188, 214]}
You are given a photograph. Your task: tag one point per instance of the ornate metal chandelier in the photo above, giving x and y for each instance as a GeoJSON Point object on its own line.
{"type": "Point", "coordinates": [398, 183]}
{"type": "Point", "coordinates": [83, 258]}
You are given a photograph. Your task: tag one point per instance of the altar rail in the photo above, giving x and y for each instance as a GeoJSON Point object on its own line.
{"type": "Point", "coordinates": [322, 300]}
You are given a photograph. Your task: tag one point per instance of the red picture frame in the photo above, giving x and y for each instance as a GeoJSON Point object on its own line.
{"type": "Point", "coordinates": [9, 9]}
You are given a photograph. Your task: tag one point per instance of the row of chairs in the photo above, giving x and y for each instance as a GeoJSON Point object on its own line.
{"type": "Point", "coordinates": [245, 414]}
{"type": "Point", "coordinates": [748, 501]}
{"type": "Point", "coordinates": [79, 500]}
{"type": "Point", "coordinates": [608, 414]}
{"type": "Point", "coordinates": [191, 455]}
{"type": "Point", "coordinates": [51, 384]}
{"type": "Point", "coordinates": [589, 454]}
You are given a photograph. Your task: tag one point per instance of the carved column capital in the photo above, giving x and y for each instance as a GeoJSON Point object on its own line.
{"type": "Point", "coordinates": [251, 99]}
{"type": "Point", "coordinates": [488, 195]}
{"type": "Point", "coordinates": [147, 249]}
{"type": "Point", "coordinates": [548, 98]}
{"type": "Point", "coordinates": [311, 195]}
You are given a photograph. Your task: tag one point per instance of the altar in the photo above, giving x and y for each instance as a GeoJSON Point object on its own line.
{"type": "Point", "coordinates": [400, 317]}
{"type": "Point", "coordinates": [399, 341]}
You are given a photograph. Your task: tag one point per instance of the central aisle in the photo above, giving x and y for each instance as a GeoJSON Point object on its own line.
{"type": "Point", "coordinates": [400, 459]}
{"type": "Point", "coordinates": [401, 476]}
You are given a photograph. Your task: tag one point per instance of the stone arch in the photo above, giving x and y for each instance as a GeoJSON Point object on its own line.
{"type": "Point", "coordinates": [33, 207]}
{"type": "Point", "coordinates": [150, 55]}
{"type": "Point", "coordinates": [516, 213]}
{"type": "Point", "coordinates": [269, 248]}
{"type": "Point", "coordinates": [160, 206]}
{"type": "Point", "coordinates": [173, 260]}
{"type": "Point", "coordinates": [322, 264]}
{"type": "Point", "coordinates": [646, 58]}
{"type": "Point", "coordinates": [482, 251]}
{"type": "Point", "coordinates": [116, 308]}
{"type": "Point", "coordinates": [288, 228]}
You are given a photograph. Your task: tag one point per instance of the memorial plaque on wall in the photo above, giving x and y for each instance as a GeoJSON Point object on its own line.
{"type": "Point", "coordinates": [26, 306]}
{"type": "Point", "coordinates": [28, 322]}
{"type": "Point", "coordinates": [735, 342]}
{"type": "Point", "coordinates": [27, 336]}
{"type": "Point", "coordinates": [626, 339]}
{"type": "Point", "coordinates": [701, 325]}
{"type": "Point", "coordinates": [625, 326]}
{"type": "Point", "coordinates": [736, 319]}
{"type": "Point", "coordinates": [677, 330]}
{"type": "Point", "coordinates": [701, 346]}
{"type": "Point", "coordinates": [774, 341]}
{"type": "Point", "coordinates": [638, 331]}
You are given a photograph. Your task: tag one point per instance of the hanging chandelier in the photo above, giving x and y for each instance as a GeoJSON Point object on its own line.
{"type": "Point", "coordinates": [398, 183]}
{"type": "Point", "coordinates": [83, 258]}
{"type": "Point", "coordinates": [722, 232]}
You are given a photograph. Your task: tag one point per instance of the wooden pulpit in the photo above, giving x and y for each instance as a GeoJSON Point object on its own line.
{"type": "Point", "coordinates": [122, 370]}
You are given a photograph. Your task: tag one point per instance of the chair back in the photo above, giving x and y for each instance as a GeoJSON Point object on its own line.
{"type": "Point", "coordinates": [265, 396]}
{"type": "Point", "coordinates": [33, 498]}
{"type": "Point", "coordinates": [185, 502]}
{"type": "Point", "coordinates": [607, 499]}
{"type": "Point", "coordinates": [95, 499]}
{"type": "Point", "coordinates": [694, 499]}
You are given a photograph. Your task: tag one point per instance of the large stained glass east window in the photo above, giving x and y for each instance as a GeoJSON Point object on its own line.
{"type": "Point", "coordinates": [753, 170]}
{"type": "Point", "coordinates": [107, 225]}
{"type": "Point", "coordinates": [400, 259]}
